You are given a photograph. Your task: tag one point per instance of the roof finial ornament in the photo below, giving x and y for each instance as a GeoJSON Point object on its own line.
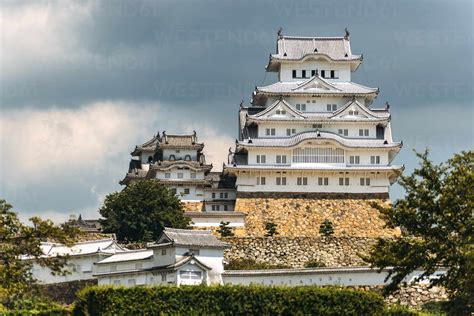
{"type": "Point", "coordinates": [353, 98]}
{"type": "Point", "coordinates": [346, 36]}
{"type": "Point", "coordinates": [387, 106]}
{"type": "Point", "coordinates": [281, 97]}
{"type": "Point", "coordinates": [280, 32]}
{"type": "Point", "coordinates": [242, 103]}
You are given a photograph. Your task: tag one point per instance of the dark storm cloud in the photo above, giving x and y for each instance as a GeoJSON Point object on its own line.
{"type": "Point", "coordinates": [198, 52]}
{"type": "Point", "coordinates": [200, 58]}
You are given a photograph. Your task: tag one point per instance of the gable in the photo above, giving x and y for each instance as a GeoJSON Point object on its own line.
{"type": "Point", "coordinates": [316, 84]}
{"type": "Point", "coordinates": [353, 110]}
{"type": "Point", "coordinates": [280, 109]}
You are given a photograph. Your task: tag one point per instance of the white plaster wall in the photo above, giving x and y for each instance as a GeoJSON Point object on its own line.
{"type": "Point", "coordinates": [355, 278]}
{"type": "Point", "coordinates": [320, 102]}
{"type": "Point", "coordinates": [160, 259]}
{"type": "Point", "coordinates": [179, 153]}
{"type": "Point", "coordinates": [286, 69]}
{"type": "Point", "coordinates": [161, 174]}
{"type": "Point", "coordinates": [212, 258]}
{"type": "Point", "coordinates": [124, 266]}
{"type": "Point", "coordinates": [81, 268]}
{"type": "Point", "coordinates": [379, 183]}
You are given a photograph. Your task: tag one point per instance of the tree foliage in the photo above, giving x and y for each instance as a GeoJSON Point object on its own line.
{"type": "Point", "coordinates": [225, 230]}
{"type": "Point", "coordinates": [20, 244]}
{"type": "Point", "coordinates": [436, 216]}
{"type": "Point", "coordinates": [141, 211]}
{"type": "Point", "coordinates": [271, 229]}
{"type": "Point", "coordinates": [326, 229]}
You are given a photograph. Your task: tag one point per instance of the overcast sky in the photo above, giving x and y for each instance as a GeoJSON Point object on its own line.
{"type": "Point", "coordinates": [83, 82]}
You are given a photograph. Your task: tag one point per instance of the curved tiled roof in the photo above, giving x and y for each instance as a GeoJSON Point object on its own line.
{"type": "Point", "coordinates": [165, 165]}
{"type": "Point", "coordinates": [296, 87]}
{"type": "Point", "coordinates": [293, 48]}
{"type": "Point", "coordinates": [317, 135]}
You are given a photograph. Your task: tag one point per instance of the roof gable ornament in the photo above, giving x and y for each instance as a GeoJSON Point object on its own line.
{"type": "Point", "coordinates": [280, 32]}
{"type": "Point", "coordinates": [347, 33]}
{"type": "Point", "coordinates": [387, 106]}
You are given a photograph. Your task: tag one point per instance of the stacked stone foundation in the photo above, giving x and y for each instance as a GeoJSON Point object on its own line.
{"type": "Point", "coordinates": [301, 214]}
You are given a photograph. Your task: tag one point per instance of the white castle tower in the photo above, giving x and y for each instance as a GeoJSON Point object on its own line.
{"type": "Point", "coordinates": [314, 130]}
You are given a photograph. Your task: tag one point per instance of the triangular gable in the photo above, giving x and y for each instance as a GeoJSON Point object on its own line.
{"type": "Point", "coordinates": [353, 105]}
{"type": "Point", "coordinates": [316, 83]}
{"type": "Point", "coordinates": [280, 105]}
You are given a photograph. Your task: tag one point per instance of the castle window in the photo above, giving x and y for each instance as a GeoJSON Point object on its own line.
{"type": "Point", "coordinates": [323, 181]}
{"type": "Point", "coordinates": [167, 175]}
{"type": "Point", "coordinates": [221, 195]}
{"type": "Point", "coordinates": [303, 73]}
{"type": "Point", "coordinates": [163, 252]}
{"type": "Point", "coordinates": [313, 73]}
{"type": "Point", "coordinates": [225, 208]}
{"type": "Point", "coordinates": [317, 125]}
{"type": "Point", "coordinates": [186, 191]}
{"type": "Point", "coordinates": [270, 132]}
{"type": "Point", "coordinates": [213, 195]}
{"type": "Point", "coordinates": [180, 175]}
{"type": "Point", "coordinates": [294, 73]}
{"type": "Point", "coordinates": [281, 159]}
{"type": "Point", "coordinates": [363, 132]}
{"type": "Point", "coordinates": [323, 73]}
{"type": "Point", "coordinates": [331, 107]}
{"type": "Point", "coordinates": [301, 107]}
{"type": "Point", "coordinates": [193, 175]}
{"type": "Point", "coordinates": [261, 180]}
{"type": "Point", "coordinates": [375, 160]}
{"type": "Point", "coordinates": [261, 159]}
{"type": "Point", "coordinates": [318, 155]}
{"type": "Point", "coordinates": [354, 160]}
{"type": "Point", "coordinates": [187, 157]}
{"type": "Point", "coordinates": [163, 277]}
{"type": "Point", "coordinates": [344, 132]}
{"type": "Point", "coordinates": [150, 159]}
{"type": "Point", "coordinates": [280, 112]}
{"type": "Point", "coordinates": [281, 181]}
{"type": "Point", "coordinates": [334, 74]}
{"type": "Point", "coordinates": [344, 181]}
{"type": "Point", "coordinates": [365, 181]}
{"type": "Point", "coordinates": [302, 181]}
{"type": "Point", "coordinates": [353, 112]}
{"type": "Point", "coordinates": [172, 157]}
{"type": "Point", "coordinates": [226, 195]}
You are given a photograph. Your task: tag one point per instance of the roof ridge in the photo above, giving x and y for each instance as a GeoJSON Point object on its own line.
{"type": "Point", "coordinates": [314, 37]}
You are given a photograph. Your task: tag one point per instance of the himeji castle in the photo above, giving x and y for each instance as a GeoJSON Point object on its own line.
{"type": "Point", "coordinates": [314, 130]}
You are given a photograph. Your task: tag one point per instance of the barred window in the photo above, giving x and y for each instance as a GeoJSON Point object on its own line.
{"type": "Point", "coordinates": [318, 155]}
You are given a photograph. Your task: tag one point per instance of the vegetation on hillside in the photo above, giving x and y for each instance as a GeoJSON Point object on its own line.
{"type": "Point", "coordinates": [19, 242]}
{"type": "Point", "coordinates": [436, 216]}
{"type": "Point", "coordinates": [141, 211]}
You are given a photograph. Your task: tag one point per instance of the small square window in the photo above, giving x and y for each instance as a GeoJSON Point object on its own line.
{"type": "Point", "coordinates": [225, 207]}
{"type": "Point", "coordinates": [163, 252]}
{"type": "Point", "coordinates": [180, 175]}
{"type": "Point", "coordinates": [186, 191]}
{"type": "Point", "coordinates": [294, 73]}
{"type": "Point", "coordinates": [193, 175]}
{"type": "Point", "coordinates": [163, 277]}
{"type": "Point", "coordinates": [326, 181]}
{"type": "Point", "coordinates": [167, 175]}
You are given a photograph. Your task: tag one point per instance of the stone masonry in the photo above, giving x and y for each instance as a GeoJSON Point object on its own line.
{"type": "Point", "coordinates": [295, 252]}
{"type": "Point", "coordinates": [298, 215]}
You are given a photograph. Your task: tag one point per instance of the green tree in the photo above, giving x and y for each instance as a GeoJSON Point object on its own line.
{"type": "Point", "coordinates": [224, 230]}
{"type": "Point", "coordinates": [141, 210]}
{"type": "Point", "coordinates": [19, 241]}
{"type": "Point", "coordinates": [326, 229]}
{"type": "Point", "coordinates": [271, 229]}
{"type": "Point", "coordinates": [436, 216]}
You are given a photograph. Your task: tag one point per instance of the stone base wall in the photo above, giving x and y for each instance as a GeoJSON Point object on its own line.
{"type": "Point", "coordinates": [413, 295]}
{"type": "Point", "coordinates": [302, 214]}
{"type": "Point", "coordinates": [295, 252]}
{"type": "Point", "coordinates": [193, 206]}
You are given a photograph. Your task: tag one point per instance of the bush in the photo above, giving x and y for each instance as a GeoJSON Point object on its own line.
{"type": "Point", "coordinates": [398, 310]}
{"type": "Point", "coordinates": [249, 264]}
{"type": "Point", "coordinates": [326, 229]}
{"type": "Point", "coordinates": [314, 264]}
{"type": "Point", "coordinates": [35, 306]}
{"type": "Point", "coordinates": [228, 300]}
